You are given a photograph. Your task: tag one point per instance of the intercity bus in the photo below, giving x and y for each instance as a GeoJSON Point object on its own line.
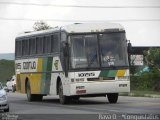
{"type": "Point", "coordinates": [73, 61]}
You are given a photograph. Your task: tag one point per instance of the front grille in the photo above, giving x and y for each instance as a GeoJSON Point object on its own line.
{"type": "Point", "coordinates": [101, 79]}
{"type": "Point", "coordinates": [3, 105]}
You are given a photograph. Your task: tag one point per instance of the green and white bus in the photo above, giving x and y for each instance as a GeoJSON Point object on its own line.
{"type": "Point", "coordinates": [78, 60]}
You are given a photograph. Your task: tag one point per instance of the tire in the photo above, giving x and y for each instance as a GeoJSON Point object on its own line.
{"type": "Point", "coordinates": [38, 97]}
{"type": "Point", "coordinates": [28, 92]}
{"type": "Point", "coordinates": [13, 89]}
{"type": "Point", "coordinates": [75, 98]}
{"type": "Point", "coordinates": [7, 90]}
{"type": "Point", "coordinates": [63, 99]}
{"type": "Point", "coordinates": [6, 110]}
{"type": "Point", "coordinates": [32, 97]}
{"type": "Point", "coordinates": [112, 97]}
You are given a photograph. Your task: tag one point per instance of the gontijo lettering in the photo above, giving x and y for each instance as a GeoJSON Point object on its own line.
{"type": "Point", "coordinates": [29, 65]}
{"type": "Point", "coordinates": [26, 65]}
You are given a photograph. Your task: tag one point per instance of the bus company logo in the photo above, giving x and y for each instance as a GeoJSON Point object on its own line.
{"type": "Point", "coordinates": [86, 74]}
{"type": "Point", "coordinates": [56, 64]}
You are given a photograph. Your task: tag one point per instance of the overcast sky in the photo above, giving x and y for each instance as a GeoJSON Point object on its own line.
{"type": "Point", "coordinates": [141, 21]}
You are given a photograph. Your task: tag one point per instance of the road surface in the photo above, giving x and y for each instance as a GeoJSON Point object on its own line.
{"type": "Point", "coordinates": [96, 107]}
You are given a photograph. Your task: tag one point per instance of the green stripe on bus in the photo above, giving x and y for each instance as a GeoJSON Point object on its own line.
{"type": "Point", "coordinates": [49, 64]}
{"type": "Point", "coordinates": [44, 65]}
{"type": "Point", "coordinates": [108, 73]}
{"type": "Point", "coordinates": [46, 75]}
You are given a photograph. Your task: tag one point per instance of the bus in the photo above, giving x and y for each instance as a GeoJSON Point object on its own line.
{"type": "Point", "coordinates": [73, 61]}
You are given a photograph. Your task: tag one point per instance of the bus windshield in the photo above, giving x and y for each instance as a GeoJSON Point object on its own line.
{"type": "Point", "coordinates": [84, 51]}
{"type": "Point", "coordinates": [87, 51]}
{"type": "Point", "coordinates": [113, 49]}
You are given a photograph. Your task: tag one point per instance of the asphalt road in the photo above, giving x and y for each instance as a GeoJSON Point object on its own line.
{"type": "Point", "coordinates": [89, 108]}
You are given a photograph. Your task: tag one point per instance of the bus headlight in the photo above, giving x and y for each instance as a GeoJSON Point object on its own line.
{"type": "Point", "coordinates": [123, 78]}
{"type": "Point", "coordinates": [2, 98]}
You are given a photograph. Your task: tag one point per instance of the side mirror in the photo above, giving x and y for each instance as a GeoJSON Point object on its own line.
{"type": "Point", "coordinates": [129, 47]}
{"type": "Point", "coordinates": [129, 51]}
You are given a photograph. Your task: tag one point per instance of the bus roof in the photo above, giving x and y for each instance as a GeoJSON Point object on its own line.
{"type": "Point", "coordinates": [78, 28]}
{"type": "Point", "coordinates": [32, 33]}
{"type": "Point", "coordinates": [91, 27]}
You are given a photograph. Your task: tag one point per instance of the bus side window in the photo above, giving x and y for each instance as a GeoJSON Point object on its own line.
{"type": "Point", "coordinates": [52, 43]}
{"type": "Point", "coordinates": [55, 43]}
{"type": "Point", "coordinates": [32, 46]}
{"type": "Point", "coordinates": [18, 48]}
{"type": "Point", "coordinates": [44, 44]}
{"type": "Point", "coordinates": [25, 47]}
{"type": "Point", "coordinates": [39, 45]}
{"type": "Point", "coordinates": [47, 44]}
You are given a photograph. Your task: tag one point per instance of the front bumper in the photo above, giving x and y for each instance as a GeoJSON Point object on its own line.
{"type": "Point", "coordinates": [4, 105]}
{"type": "Point", "coordinates": [90, 88]}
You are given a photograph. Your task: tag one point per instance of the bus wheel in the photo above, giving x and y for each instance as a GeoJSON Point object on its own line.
{"type": "Point", "coordinates": [63, 99]}
{"type": "Point", "coordinates": [32, 97]}
{"type": "Point", "coordinates": [38, 97]}
{"type": "Point", "coordinates": [75, 98]}
{"type": "Point", "coordinates": [13, 88]}
{"type": "Point", "coordinates": [112, 97]}
{"type": "Point", "coordinates": [6, 110]}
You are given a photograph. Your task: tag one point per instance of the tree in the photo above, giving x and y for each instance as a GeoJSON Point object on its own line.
{"type": "Point", "coordinates": [6, 70]}
{"type": "Point", "coordinates": [152, 58]}
{"type": "Point", "coordinates": [41, 25]}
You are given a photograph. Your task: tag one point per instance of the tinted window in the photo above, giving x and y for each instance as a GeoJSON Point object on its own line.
{"type": "Point", "coordinates": [47, 44]}
{"type": "Point", "coordinates": [32, 46]}
{"type": "Point", "coordinates": [55, 43]}
{"type": "Point", "coordinates": [84, 50]}
{"type": "Point", "coordinates": [25, 47]}
{"type": "Point", "coordinates": [113, 49]}
{"type": "Point", "coordinates": [39, 45]}
{"type": "Point", "coordinates": [18, 48]}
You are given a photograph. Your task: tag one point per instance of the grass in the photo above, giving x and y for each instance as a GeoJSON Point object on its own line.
{"type": "Point", "coordinates": [146, 92]}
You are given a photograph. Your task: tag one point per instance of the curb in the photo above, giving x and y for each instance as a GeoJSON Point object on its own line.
{"type": "Point", "coordinates": [153, 96]}
{"type": "Point", "coordinates": [140, 95]}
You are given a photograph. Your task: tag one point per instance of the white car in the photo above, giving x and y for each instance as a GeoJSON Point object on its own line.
{"type": "Point", "coordinates": [3, 100]}
{"type": "Point", "coordinates": [11, 84]}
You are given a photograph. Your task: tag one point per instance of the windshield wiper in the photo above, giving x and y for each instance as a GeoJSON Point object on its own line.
{"type": "Point", "coordinates": [94, 56]}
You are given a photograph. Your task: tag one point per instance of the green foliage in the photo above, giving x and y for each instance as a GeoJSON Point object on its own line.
{"type": "Point", "coordinates": [147, 81]}
{"type": "Point", "coordinates": [6, 70]}
{"type": "Point", "coordinates": [153, 58]}
{"type": "Point", "coordinates": [40, 25]}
